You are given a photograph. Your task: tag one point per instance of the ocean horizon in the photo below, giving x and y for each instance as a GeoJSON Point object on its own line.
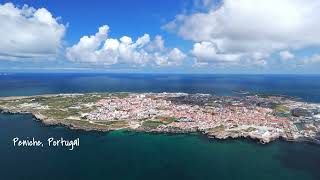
{"type": "Point", "coordinates": [303, 86]}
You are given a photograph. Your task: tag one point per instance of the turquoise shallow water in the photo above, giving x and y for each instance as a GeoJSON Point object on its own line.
{"type": "Point", "coordinates": [127, 155]}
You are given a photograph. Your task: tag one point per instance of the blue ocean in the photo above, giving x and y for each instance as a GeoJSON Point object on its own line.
{"type": "Point", "coordinates": [122, 155]}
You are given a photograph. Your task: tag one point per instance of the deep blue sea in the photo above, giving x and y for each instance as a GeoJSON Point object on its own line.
{"type": "Point", "coordinates": [124, 155]}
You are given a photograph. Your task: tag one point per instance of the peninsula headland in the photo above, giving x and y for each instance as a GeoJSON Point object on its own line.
{"type": "Point", "coordinates": [261, 117]}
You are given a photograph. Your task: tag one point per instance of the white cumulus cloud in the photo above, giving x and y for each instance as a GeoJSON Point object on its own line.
{"type": "Point", "coordinates": [100, 49]}
{"type": "Point", "coordinates": [249, 27]}
{"type": "Point", "coordinates": [286, 55]}
{"type": "Point", "coordinates": [315, 58]}
{"type": "Point", "coordinates": [174, 57]}
{"type": "Point", "coordinates": [29, 33]}
{"type": "Point", "coordinates": [207, 52]}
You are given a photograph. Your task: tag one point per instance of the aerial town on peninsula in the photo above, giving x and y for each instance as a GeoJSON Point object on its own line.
{"type": "Point", "coordinates": [261, 117]}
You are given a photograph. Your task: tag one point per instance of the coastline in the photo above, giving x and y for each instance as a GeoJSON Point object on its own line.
{"type": "Point", "coordinates": [74, 126]}
{"type": "Point", "coordinates": [89, 125]}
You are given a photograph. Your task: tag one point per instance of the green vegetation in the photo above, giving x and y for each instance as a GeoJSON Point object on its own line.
{"type": "Point", "coordinates": [213, 104]}
{"type": "Point", "coordinates": [121, 94]}
{"type": "Point", "coordinates": [152, 124]}
{"type": "Point", "coordinates": [158, 121]}
{"type": "Point", "coordinates": [59, 107]}
{"type": "Point", "coordinates": [250, 129]}
{"type": "Point", "coordinates": [3, 102]}
{"type": "Point", "coordinates": [79, 123]}
{"type": "Point", "coordinates": [166, 120]}
{"type": "Point", "coordinates": [62, 101]}
{"type": "Point", "coordinates": [280, 108]}
{"type": "Point", "coordinates": [300, 126]}
{"type": "Point", "coordinates": [114, 124]}
{"type": "Point", "coordinates": [217, 128]}
{"type": "Point", "coordinates": [55, 114]}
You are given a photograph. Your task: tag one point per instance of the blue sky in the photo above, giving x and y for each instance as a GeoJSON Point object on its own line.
{"type": "Point", "coordinates": [181, 36]}
{"type": "Point", "coordinates": [124, 17]}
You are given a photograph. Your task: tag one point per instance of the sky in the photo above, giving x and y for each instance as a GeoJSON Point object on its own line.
{"type": "Point", "coordinates": [168, 36]}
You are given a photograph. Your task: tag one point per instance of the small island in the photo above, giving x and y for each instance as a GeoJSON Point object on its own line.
{"type": "Point", "coordinates": [256, 116]}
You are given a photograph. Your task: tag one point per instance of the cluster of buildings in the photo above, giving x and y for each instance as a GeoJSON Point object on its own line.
{"type": "Point", "coordinates": [133, 107]}
{"type": "Point", "coordinates": [199, 111]}
{"type": "Point", "coordinates": [262, 117]}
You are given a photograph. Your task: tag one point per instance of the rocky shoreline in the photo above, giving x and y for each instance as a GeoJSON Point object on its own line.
{"type": "Point", "coordinates": [263, 119]}
{"type": "Point", "coordinates": [100, 128]}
